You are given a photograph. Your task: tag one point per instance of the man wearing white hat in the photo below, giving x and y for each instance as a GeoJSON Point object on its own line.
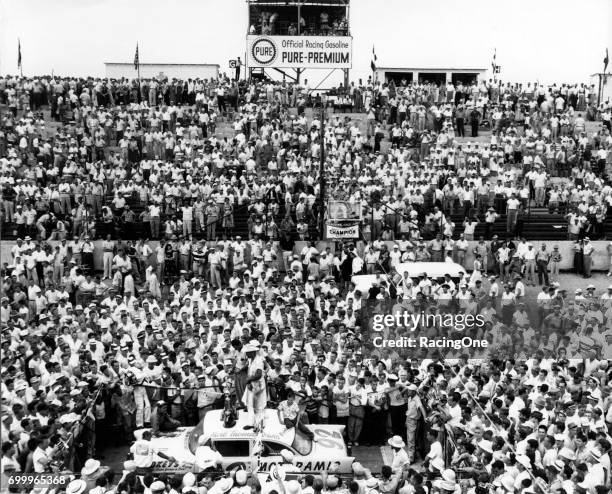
{"type": "Point", "coordinates": [206, 457]}
{"type": "Point", "coordinates": [222, 486]}
{"type": "Point", "coordinates": [397, 405]}
{"type": "Point", "coordinates": [449, 481]}
{"type": "Point", "coordinates": [255, 395]}
{"type": "Point", "coordinates": [523, 463]}
{"type": "Point", "coordinates": [506, 482]}
{"type": "Point", "coordinates": [596, 474]}
{"type": "Point", "coordinates": [414, 410]}
{"type": "Point", "coordinates": [400, 457]}
{"type": "Point", "coordinates": [157, 487]}
{"type": "Point", "coordinates": [240, 483]}
{"type": "Point", "coordinates": [143, 452]}
{"type": "Point", "coordinates": [76, 486]}
{"type": "Point", "coordinates": [372, 485]}
{"type": "Point", "coordinates": [92, 471]}
{"type": "Point", "coordinates": [286, 469]}
{"type": "Point", "coordinates": [143, 406]}
{"type": "Point", "coordinates": [208, 391]}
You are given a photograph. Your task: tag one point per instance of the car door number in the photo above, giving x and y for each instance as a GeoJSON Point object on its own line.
{"type": "Point", "coordinates": [329, 439]}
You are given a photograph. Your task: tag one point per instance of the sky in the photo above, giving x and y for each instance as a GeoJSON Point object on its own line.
{"type": "Point", "coordinates": [543, 40]}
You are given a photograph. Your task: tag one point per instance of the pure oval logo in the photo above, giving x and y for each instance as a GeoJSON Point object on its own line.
{"type": "Point", "coordinates": [264, 51]}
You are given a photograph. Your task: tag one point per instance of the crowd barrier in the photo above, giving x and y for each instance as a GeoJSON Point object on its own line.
{"type": "Point", "coordinates": [600, 257]}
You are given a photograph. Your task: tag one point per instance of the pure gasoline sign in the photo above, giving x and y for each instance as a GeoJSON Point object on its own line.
{"type": "Point", "coordinates": [263, 51]}
{"type": "Point", "coordinates": [306, 52]}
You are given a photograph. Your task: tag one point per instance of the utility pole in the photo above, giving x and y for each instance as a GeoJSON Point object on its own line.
{"type": "Point", "coordinates": [298, 72]}
{"type": "Point", "coordinates": [322, 173]}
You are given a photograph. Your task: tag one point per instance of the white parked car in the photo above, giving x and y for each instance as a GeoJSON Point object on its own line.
{"type": "Point", "coordinates": [237, 445]}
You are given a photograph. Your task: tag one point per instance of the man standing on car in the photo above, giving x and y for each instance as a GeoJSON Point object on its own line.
{"type": "Point", "coordinates": [255, 396]}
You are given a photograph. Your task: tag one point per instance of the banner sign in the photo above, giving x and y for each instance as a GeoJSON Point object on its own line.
{"type": "Point", "coordinates": [343, 211]}
{"type": "Point", "coordinates": [300, 52]}
{"type": "Point", "coordinates": [340, 232]}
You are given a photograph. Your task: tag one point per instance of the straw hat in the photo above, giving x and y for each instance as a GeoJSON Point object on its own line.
{"type": "Point", "coordinates": [396, 442]}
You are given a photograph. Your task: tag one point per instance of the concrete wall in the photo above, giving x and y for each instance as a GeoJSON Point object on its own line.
{"type": "Point", "coordinates": [148, 71]}
{"type": "Point", "coordinates": [600, 257]}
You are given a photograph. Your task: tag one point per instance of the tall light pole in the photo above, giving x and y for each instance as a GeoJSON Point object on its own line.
{"type": "Point", "coordinates": [322, 172]}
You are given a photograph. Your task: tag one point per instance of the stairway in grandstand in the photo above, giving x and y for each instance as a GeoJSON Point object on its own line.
{"type": "Point", "coordinates": [141, 230]}
{"type": "Point", "coordinates": [538, 224]}
{"type": "Point", "coordinates": [241, 218]}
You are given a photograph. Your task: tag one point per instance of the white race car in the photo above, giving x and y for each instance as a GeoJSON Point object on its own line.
{"type": "Point", "coordinates": [237, 445]}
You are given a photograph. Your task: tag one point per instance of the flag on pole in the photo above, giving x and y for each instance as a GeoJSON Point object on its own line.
{"type": "Point", "coordinates": [606, 60]}
{"type": "Point", "coordinates": [373, 62]}
{"type": "Point", "coordinates": [493, 64]}
{"type": "Point", "coordinates": [136, 59]}
{"type": "Point", "coordinates": [18, 53]}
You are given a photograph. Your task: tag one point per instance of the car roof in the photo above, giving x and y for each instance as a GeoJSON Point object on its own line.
{"type": "Point", "coordinates": [273, 430]}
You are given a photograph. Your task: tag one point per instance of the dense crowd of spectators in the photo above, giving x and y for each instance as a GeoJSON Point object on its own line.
{"type": "Point", "coordinates": [144, 161]}
{"type": "Point", "coordinates": [291, 22]}
{"type": "Point", "coordinates": [88, 358]}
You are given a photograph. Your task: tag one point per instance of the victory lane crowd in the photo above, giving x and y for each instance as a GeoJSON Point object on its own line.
{"type": "Point", "coordinates": [171, 330]}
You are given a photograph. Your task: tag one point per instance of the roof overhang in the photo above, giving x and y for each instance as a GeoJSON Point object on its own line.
{"type": "Point", "coordinates": [430, 69]}
{"type": "Point", "coordinates": [165, 63]}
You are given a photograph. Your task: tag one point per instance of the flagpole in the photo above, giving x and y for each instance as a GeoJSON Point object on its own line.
{"type": "Point", "coordinates": [373, 65]}
{"type": "Point", "coordinates": [20, 61]}
{"type": "Point", "coordinates": [137, 63]}
{"type": "Point", "coordinates": [602, 78]}
{"type": "Point", "coordinates": [495, 65]}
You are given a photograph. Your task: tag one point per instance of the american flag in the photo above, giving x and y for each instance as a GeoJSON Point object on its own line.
{"type": "Point", "coordinates": [18, 53]}
{"type": "Point", "coordinates": [136, 59]}
{"type": "Point", "coordinates": [373, 62]}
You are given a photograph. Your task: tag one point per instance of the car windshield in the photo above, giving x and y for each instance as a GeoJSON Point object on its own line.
{"type": "Point", "coordinates": [194, 435]}
{"type": "Point", "coordinates": [301, 443]}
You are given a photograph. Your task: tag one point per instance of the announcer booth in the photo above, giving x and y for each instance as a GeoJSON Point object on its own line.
{"type": "Point", "coordinates": [289, 37]}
